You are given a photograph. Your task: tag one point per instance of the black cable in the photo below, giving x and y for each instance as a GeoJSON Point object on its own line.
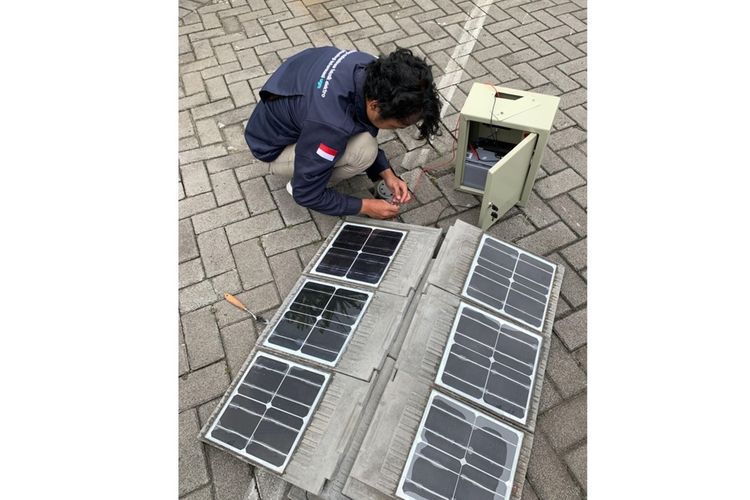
{"type": "Point", "coordinates": [492, 115]}
{"type": "Point", "coordinates": [441, 214]}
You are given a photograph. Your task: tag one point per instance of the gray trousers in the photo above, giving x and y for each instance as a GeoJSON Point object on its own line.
{"type": "Point", "coordinates": [359, 155]}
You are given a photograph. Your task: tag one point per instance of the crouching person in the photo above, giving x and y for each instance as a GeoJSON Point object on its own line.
{"type": "Point", "coordinates": [319, 115]}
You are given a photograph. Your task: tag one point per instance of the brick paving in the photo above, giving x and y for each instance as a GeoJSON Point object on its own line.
{"type": "Point", "coordinates": [240, 232]}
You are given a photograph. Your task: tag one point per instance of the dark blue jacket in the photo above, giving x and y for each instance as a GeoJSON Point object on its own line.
{"type": "Point", "coordinates": [328, 109]}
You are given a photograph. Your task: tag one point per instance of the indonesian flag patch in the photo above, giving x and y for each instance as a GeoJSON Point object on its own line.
{"type": "Point", "coordinates": [326, 152]}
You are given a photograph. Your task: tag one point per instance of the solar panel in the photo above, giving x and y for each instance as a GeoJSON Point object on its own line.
{"type": "Point", "coordinates": [510, 281]}
{"type": "Point", "coordinates": [319, 322]}
{"type": "Point", "coordinates": [459, 453]}
{"type": "Point", "coordinates": [491, 362]}
{"type": "Point", "coordinates": [360, 253]}
{"type": "Point", "coordinates": [267, 412]}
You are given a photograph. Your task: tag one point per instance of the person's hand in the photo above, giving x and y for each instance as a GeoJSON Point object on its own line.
{"type": "Point", "coordinates": [378, 209]}
{"type": "Point", "coordinates": [398, 187]}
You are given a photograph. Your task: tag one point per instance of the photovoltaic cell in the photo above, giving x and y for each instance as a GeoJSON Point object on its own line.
{"type": "Point", "coordinates": [269, 410]}
{"type": "Point", "coordinates": [319, 322]}
{"type": "Point", "coordinates": [491, 362]}
{"type": "Point", "coordinates": [510, 281]}
{"type": "Point", "coordinates": [360, 253]}
{"type": "Point", "coordinates": [459, 453]}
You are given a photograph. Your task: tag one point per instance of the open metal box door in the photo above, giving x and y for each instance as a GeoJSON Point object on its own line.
{"type": "Point", "coordinates": [505, 182]}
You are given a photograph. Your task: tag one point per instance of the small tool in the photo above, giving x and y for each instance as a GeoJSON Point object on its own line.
{"type": "Point", "coordinates": [236, 302]}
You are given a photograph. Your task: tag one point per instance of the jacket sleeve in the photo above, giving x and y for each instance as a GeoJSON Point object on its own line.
{"type": "Point", "coordinates": [318, 148]}
{"type": "Point", "coordinates": [381, 163]}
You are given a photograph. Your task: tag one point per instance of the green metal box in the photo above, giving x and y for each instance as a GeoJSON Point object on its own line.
{"type": "Point", "coordinates": [501, 139]}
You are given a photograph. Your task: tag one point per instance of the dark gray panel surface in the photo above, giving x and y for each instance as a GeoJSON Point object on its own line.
{"type": "Point", "coordinates": [319, 322]}
{"type": "Point", "coordinates": [490, 362]}
{"type": "Point", "coordinates": [510, 281]}
{"type": "Point", "coordinates": [266, 414]}
{"type": "Point", "coordinates": [359, 253]}
{"type": "Point", "coordinates": [408, 263]}
{"type": "Point", "coordinates": [459, 453]}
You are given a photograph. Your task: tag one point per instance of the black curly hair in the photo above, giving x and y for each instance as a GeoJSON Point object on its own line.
{"type": "Point", "coordinates": [402, 84]}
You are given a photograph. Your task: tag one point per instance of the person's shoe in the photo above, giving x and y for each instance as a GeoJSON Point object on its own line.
{"type": "Point", "coordinates": [382, 191]}
{"type": "Point", "coordinates": [289, 188]}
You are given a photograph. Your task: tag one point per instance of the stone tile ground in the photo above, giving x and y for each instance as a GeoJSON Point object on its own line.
{"type": "Point", "coordinates": [239, 233]}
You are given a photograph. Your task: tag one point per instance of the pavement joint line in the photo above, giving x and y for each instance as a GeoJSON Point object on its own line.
{"type": "Point", "coordinates": [567, 262]}
{"type": "Point", "coordinates": [465, 45]}
{"type": "Point", "coordinates": [564, 451]}
{"type": "Point", "coordinates": [202, 211]}
{"type": "Point", "coordinates": [567, 314]}
{"type": "Point", "coordinates": [184, 375]}
{"type": "Point", "coordinates": [212, 309]}
{"type": "Point", "coordinates": [201, 487]}
{"type": "Point", "coordinates": [209, 469]}
{"type": "Point", "coordinates": [204, 454]}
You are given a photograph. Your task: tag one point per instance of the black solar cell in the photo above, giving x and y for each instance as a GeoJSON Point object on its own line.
{"type": "Point", "coordinates": [360, 253]}
{"type": "Point", "coordinates": [319, 322]}
{"type": "Point", "coordinates": [269, 410]}
{"type": "Point", "coordinates": [459, 453]}
{"type": "Point", "coordinates": [510, 281]}
{"type": "Point", "coordinates": [490, 362]}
